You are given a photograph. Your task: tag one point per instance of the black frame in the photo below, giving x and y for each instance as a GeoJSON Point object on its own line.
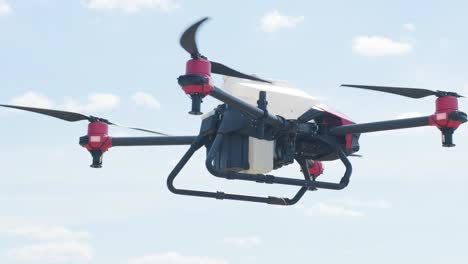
{"type": "Point", "coordinates": [212, 140]}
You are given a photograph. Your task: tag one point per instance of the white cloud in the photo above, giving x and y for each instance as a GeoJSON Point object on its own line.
{"type": "Point", "coordinates": [44, 233]}
{"type": "Point", "coordinates": [323, 209]}
{"type": "Point", "coordinates": [409, 27]}
{"type": "Point", "coordinates": [242, 241]}
{"type": "Point", "coordinates": [274, 21]}
{"type": "Point", "coordinates": [33, 99]}
{"type": "Point", "coordinates": [374, 46]}
{"type": "Point", "coordinates": [53, 252]}
{"type": "Point", "coordinates": [5, 8]}
{"type": "Point", "coordinates": [372, 204]}
{"type": "Point", "coordinates": [97, 101]}
{"type": "Point", "coordinates": [131, 6]}
{"type": "Point", "coordinates": [409, 115]}
{"type": "Point", "coordinates": [174, 258]}
{"type": "Point", "coordinates": [144, 99]}
{"type": "Point", "coordinates": [344, 207]}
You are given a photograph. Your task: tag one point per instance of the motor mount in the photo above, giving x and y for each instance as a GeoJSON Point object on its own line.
{"type": "Point", "coordinates": [197, 82]}
{"type": "Point", "coordinates": [97, 141]}
{"type": "Point", "coordinates": [447, 118]}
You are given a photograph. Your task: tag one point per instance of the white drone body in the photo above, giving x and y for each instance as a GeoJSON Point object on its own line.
{"type": "Point", "coordinates": [283, 100]}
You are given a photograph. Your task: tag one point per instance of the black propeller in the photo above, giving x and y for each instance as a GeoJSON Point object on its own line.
{"type": "Point", "coordinates": [188, 42]}
{"type": "Point", "coordinates": [73, 117]}
{"type": "Point", "coordinates": [415, 93]}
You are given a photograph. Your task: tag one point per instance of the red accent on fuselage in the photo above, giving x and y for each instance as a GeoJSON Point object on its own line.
{"type": "Point", "coordinates": [315, 168]}
{"type": "Point", "coordinates": [343, 120]}
{"type": "Point", "coordinates": [329, 110]}
{"type": "Point", "coordinates": [98, 137]}
{"type": "Point", "coordinates": [444, 106]}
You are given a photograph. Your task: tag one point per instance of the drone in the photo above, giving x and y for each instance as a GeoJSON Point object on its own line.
{"type": "Point", "coordinates": [248, 136]}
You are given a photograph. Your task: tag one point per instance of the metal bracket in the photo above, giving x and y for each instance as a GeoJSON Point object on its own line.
{"type": "Point", "coordinates": [197, 144]}
{"type": "Point", "coordinates": [270, 179]}
{"type": "Point", "coordinates": [307, 184]}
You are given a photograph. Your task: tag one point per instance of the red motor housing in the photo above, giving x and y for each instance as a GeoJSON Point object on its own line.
{"type": "Point", "coordinates": [197, 82]}
{"type": "Point", "coordinates": [98, 137]}
{"type": "Point", "coordinates": [202, 68]}
{"type": "Point", "coordinates": [447, 118]}
{"type": "Point", "coordinates": [445, 105]}
{"type": "Point", "coordinates": [97, 141]}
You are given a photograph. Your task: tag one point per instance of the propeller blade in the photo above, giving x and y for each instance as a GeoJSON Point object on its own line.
{"type": "Point", "coordinates": [219, 68]}
{"type": "Point", "coordinates": [139, 129]}
{"type": "Point", "coordinates": [415, 93]}
{"type": "Point", "coordinates": [73, 117]}
{"type": "Point", "coordinates": [189, 43]}
{"type": "Point", "coordinates": [404, 91]}
{"type": "Point", "coordinates": [64, 115]}
{"type": "Point", "coordinates": [187, 40]}
{"type": "Point", "coordinates": [356, 156]}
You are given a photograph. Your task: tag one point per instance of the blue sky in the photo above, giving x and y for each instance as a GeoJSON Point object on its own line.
{"type": "Point", "coordinates": [120, 58]}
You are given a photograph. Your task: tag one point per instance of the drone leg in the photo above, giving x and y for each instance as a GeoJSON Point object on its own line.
{"type": "Point", "coordinates": [197, 144]}
{"type": "Point", "coordinates": [270, 179]}
{"type": "Point", "coordinates": [307, 177]}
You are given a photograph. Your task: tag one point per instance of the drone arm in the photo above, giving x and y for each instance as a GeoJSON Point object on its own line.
{"type": "Point", "coordinates": [381, 126]}
{"type": "Point", "coordinates": [446, 121]}
{"type": "Point", "coordinates": [153, 141]}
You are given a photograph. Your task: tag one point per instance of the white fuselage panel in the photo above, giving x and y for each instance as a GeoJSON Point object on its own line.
{"type": "Point", "coordinates": [283, 99]}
